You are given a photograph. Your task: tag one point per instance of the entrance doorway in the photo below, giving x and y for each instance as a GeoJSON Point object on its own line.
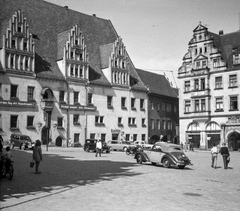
{"type": "Point", "coordinates": [59, 141]}
{"type": "Point", "coordinates": [195, 139]}
{"type": "Point", "coordinates": [234, 141]}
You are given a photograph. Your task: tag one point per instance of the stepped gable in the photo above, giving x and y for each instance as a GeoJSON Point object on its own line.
{"type": "Point", "coordinates": [157, 84]}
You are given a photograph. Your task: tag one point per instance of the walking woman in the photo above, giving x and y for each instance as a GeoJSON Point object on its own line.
{"type": "Point", "coordinates": [37, 155]}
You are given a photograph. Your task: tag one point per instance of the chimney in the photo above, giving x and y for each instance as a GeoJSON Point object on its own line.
{"type": "Point", "coordinates": [94, 15]}
{"type": "Point", "coordinates": [66, 7]}
{"type": "Point", "coordinates": [220, 32]}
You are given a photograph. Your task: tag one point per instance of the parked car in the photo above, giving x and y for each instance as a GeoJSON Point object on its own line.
{"type": "Point", "coordinates": [90, 145]}
{"type": "Point", "coordinates": [143, 144]}
{"type": "Point", "coordinates": [21, 141]}
{"type": "Point", "coordinates": [164, 153]}
{"type": "Point", "coordinates": [118, 145]}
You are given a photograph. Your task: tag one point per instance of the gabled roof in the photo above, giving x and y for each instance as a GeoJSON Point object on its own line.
{"type": "Point", "coordinates": [157, 84]}
{"type": "Point", "coordinates": [200, 27]}
{"type": "Point", "coordinates": [50, 23]}
{"type": "Point", "coordinates": [200, 57]}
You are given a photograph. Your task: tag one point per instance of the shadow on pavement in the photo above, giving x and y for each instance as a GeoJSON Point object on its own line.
{"type": "Point", "coordinates": [58, 173]}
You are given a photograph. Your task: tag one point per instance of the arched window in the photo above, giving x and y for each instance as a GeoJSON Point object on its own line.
{"type": "Point", "coordinates": [194, 127]}
{"type": "Point", "coordinates": [212, 126]}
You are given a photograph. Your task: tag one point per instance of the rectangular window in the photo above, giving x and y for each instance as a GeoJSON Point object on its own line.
{"type": "Point", "coordinates": [152, 124]}
{"type": "Point", "coordinates": [81, 72]}
{"type": "Point", "coordinates": [127, 137]}
{"type": "Point", "coordinates": [203, 105]}
{"type": "Point", "coordinates": [158, 107]}
{"type": "Point", "coordinates": [163, 106]}
{"type": "Point", "coordinates": [215, 63]}
{"type": "Point", "coordinates": [234, 103]}
{"type": "Point", "coordinates": [204, 64]}
{"type": "Point", "coordinates": [76, 119]}
{"type": "Point", "coordinates": [13, 44]}
{"type": "Point", "coordinates": [61, 96]}
{"type": "Point", "coordinates": [164, 124]}
{"type": "Point", "coordinates": [169, 125]}
{"type": "Point", "coordinates": [76, 137]}
{"type": "Point", "coordinates": [198, 65]}
{"type": "Point", "coordinates": [196, 84]}
{"type": "Point", "coordinates": [30, 93]}
{"type": "Point", "coordinates": [123, 102]}
{"type": "Point", "coordinates": [219, 103]}
{"type": "Point", "coordinates": [196, 105]}
{"type": "Point", "coordinates": [218, 82]}
{"type": "Point", "coordinates": [60, 121]}
{"type": "Point", "coordinates": [196, 51]}
{"type": "Point", "coordinates": [232, 80]}
{"type": "Point", "coordinates": [0, 90]}
{"type": "Point", "coordinates": [158, 124]}
{"type": "Point", "coordinates": [134, 137]}
{"type": "Point", "coordinates": [169, 108]}
{"type": "Point", "coordinates": [187, 86]}
{"type": "Point", "coordinates": [90, 98]}
{"type": "Point", "coordinates": [14, 89]}
{"type": "Point", "coordinates": [109, 101]}
{"type": "Point", "coordinates": [236, 59]}
{"type": "Point", "coordinates": [187, 106]}
{"type": "Point", "coordinates": [14, 121]}
{"type": "Point", "coordinates": [133, 103]}
{"type": "Point", "coordinates": [75, 97]}
{"type": "Point", "coordinates": [131, 121]}
{"type": "Point", "coordinates": [202, 83]}
{"type": "Point", "coordinates": [143, 122]}
{"type": "Point", "coordinates": [119, 120]}
{"type": "Point", "coordinates": [92, 135]}
{"type": "Point", "coordinates": [99, 119]}
{"type": "Point", "coordinates": [76, 71]}
{"type": "Point", "coordinates": [71, 71]}
{"type": "Point", "coordinates": [142, 105]}
{"type": "Point", "coordinates": [151, 106]}
{"type": "Point", "coordinates": [30, 121]}
{"type": "Point", "coordinates": [143, 137]}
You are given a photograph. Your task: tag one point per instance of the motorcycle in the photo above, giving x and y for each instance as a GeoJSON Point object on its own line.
{"type": "Point", "coordinates": [133, 149]}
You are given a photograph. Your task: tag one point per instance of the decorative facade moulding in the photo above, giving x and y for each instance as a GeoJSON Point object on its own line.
{"type": "Point", "coordinates": [233, 120]}
{"type": "Point", "coordinates": [78, 107]}
{"type": "Point", "coordinates": [17, 103]}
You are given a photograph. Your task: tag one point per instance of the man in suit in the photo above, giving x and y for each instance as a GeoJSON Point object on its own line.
{"type": "Point", "coordinates": [225, 153]}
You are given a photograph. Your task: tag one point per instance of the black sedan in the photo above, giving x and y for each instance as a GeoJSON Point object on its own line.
{"type": "Point", "coordinates": [164, 153]}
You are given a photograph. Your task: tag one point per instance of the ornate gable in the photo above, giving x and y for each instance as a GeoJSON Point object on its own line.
{"type": "Point", "coordinates": [119, 64]}
{"type": "Point", "coordinates": [75, 56]}
{"type": "Point", "coordinates": [200, 57]}
{"type": "Point", "coordinates": [18, 46]}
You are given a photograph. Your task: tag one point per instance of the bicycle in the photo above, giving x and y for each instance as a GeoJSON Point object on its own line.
{"type": "Point", "coordinates": [6, 168]}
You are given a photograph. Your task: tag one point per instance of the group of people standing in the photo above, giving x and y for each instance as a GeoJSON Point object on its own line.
{"type": "Point", "coordinates": [224, 152]}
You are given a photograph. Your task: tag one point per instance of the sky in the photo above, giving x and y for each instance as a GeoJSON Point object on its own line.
{"type": "Point", "coordinates": [156, 32]}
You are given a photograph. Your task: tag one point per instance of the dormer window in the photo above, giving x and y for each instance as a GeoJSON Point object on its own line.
{"type": "Point", "coordinates": [204, 64]}
{"type": "Point", "coordinates": [200, 37]}
{"type": "Point", "coordinates": [198, 65]}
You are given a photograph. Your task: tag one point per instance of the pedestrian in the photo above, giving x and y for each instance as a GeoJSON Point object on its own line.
{"type": "Point", "coordinates": [37, 155]}
{"type": "Point", "coordinates": [181, 145]}
{"type": "Point", "coordinates": [1, 144]}
{"type": "Point", "coordinates": [98, 148]}
{"type": "Point", "coordinates": [225, 154]}
{"type": "Point", "coordinates": [214, 152]}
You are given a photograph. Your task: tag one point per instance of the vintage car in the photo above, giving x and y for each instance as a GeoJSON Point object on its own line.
{"type": "Point", "coordinates": [118, 145]}
{"type": "Point", "coordinates": [21, 141]}
{"type": "Point", "coordinates": [90, 145]}
{"type": "Point", "coordinates": [164, 153]}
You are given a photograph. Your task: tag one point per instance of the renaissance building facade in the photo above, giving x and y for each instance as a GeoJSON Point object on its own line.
{"type": "Point", "coordinates": [209, 89]}
{"type": "Point", "coordinates": [66, 75]}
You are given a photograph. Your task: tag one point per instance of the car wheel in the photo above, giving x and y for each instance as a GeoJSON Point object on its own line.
{"type": "Point", "coordinates": [124, 149]}
{"type": "Point", "coordinates": [107, 151]}
{"type": "Point", "coordinates": [166, 163]}
{"type": "Point", "coordinates": [139, 159]}
{"type": "Point", "coordinates": [154, 163]}
{"type": "Point", "coordinates": [22, 147]}
{"type": "Point", "coordinates": [181, 167]}
{"type": "Point", "coordinates": [110, 148]}
{"type": "Point", "coordinates": [12, 146]}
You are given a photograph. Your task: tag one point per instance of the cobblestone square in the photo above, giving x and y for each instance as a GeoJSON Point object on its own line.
{"type": "Point", "coordinates": [72, 179]}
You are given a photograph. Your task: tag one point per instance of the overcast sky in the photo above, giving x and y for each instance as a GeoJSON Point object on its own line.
{"type": "Point", "coordinates": [156, 32]}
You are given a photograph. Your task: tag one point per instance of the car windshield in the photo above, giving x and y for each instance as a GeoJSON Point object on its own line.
{"type": "Point", "coordinates": [25, 138]}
